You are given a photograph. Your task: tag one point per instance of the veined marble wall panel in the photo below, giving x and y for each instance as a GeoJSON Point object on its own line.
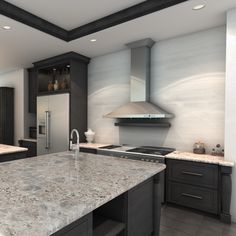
{"type": "Point", "coordinates": [187, 79]}
{"type": "Point", "coordinates": [108, 88]}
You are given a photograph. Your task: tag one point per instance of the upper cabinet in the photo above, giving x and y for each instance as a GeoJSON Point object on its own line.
{"type": "Point", "coordinates": [61, 74]}
{"type": "Point", "coordinates": [54, 79]}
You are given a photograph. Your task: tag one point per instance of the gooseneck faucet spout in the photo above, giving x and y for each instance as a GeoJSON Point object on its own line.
{"type": "Point", "coordinates": [74, 146]}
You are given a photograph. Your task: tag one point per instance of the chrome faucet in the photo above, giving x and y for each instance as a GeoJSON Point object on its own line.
{"type": "Point", "coordinates": [74, 146]}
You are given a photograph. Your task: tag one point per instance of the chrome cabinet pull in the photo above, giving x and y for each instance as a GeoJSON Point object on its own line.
{"type": "Point", "coordinates": [192, 173]}
{"type": "Point", "coordinates": [192, 196]}
{"type": "Point", "coordinates": [47, 130]}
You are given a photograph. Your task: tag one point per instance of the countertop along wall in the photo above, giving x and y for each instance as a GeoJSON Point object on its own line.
{"type": "Point", "coordinates": [187, 79]}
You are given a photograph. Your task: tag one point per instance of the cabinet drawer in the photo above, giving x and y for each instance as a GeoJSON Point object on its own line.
{"type": "Point", "coordinates": [200, 174]}
{"type": "Point", "coordinates": [194, 197]}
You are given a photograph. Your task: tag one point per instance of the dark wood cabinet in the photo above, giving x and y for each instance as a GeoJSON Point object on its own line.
{"type": "Point", "coordinates": [31, 145]}
{"type": "Point", "coordinates": [193, 184]}
{"type": "Point", "coordinates": [32, 90]}
{"type": "Point", "coordinates": [13, 156]}
{"type": "Point", "coordinates": [88, 150]}
{"type": "Point", "coordinates": [199, 186]}
{"type": "Point", "coordinates": [81, 227]}
{"type": "Point", "coordinates": [141, 209]}
{"type": "Point", "coordinates": [204, 199]}
{"type": "Point", "coordinates": [138, 209]}
{"type": "Point", "coordinates": [6, 115]}
{"type": "Point", "coordinates": [193, 173]}
{"type": "Point", "coordinates": [70, 71]}
{"type": "Point", "coordinates": [133, 213]}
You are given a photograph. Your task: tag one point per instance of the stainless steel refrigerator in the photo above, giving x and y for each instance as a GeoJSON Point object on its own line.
{"type": "Point", "coordinates": [53, 123]}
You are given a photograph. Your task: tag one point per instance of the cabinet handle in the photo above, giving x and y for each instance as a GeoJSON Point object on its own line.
{"type": "Point", "coordinates": [192, 173]}
{"type": "Point", "coordinates": [47, 130]}
{"type": "Point", "coordinates": [192, 196]}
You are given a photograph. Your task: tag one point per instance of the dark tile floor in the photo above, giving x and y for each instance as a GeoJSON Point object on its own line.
{"type": "Point", "coordinates": [182, 222]}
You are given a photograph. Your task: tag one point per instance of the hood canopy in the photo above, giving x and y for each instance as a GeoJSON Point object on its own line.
{"type": "Point", "coordinates": [140, 107]}
{"type": "Point", "coordinates": [139, 110]}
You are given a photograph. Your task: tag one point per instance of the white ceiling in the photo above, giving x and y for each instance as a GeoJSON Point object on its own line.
{"type": "Point", "coordinates": [22, 45]}
{"type": "Point", "coordinates": [70, 14]}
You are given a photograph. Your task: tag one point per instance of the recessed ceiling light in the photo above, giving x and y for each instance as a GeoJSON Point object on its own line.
{"type": "Point", "coordinates": [6, 27]}
{"type": "Point", "coordinates": [199, 7]}
{"type": "Point", "coordinates": [68, 66]}
{"type": "Point", "coordinates": [93, 40]}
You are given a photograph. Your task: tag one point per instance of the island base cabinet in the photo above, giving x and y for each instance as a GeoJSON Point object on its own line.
{"type": "Point", "coordinates": [138, 209]}
{"type": "Point", "coordinates": [134, 213]}
{"type": "Point", "coordinates": [81, 227]}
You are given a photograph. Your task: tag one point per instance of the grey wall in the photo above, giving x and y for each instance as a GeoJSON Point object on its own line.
{"type": "Point", "coordinates": [187, 79]}
{"type": "Point", "coordinates": [230, 101]}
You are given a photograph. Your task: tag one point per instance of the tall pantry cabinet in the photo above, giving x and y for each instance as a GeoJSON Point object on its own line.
{"type": "Point", "coordinates": [7, 115]}
{"type": "Point", "coordinates": [65, 74]}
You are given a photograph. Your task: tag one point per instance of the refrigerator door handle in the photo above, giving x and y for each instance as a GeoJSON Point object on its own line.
{"type": "Point", "coordinates": [47, 129]}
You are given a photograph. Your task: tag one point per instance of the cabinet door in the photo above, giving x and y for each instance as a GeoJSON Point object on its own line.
{"type": "Point", "coordinates": [32, 87]}
{"type": "Point", "coordinates": [59, 122]}
{"type": "Point", "coordinates": [42, 107]}
{"type": "Point", "coordinates": [7, 115]}
{"type": "Point", "coordinates": [80, 230]}
{"type": "Point", "coordinates": [140, 209]}
{"type": "Point", "coordinates": [81, 227]}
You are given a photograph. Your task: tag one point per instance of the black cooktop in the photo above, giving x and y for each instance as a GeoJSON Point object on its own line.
{"type": "Point", "coordinates": [110, 146]}
{"type": "Point", "coordinates": [152, 150]}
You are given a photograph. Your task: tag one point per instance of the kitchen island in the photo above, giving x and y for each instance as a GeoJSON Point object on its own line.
{"type": "Point", "coordinates": [64, 194]}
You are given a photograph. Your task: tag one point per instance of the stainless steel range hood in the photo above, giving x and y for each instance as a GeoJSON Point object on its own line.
{"type": "Point", "coordinates": [140, 107]}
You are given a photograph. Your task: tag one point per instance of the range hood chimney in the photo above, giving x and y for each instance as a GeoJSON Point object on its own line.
{"type": "Point", "coordinates": [140, 107]}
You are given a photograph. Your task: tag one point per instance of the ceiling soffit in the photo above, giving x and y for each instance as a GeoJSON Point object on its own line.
{"type": "Point", "coordinates": [130, 13]}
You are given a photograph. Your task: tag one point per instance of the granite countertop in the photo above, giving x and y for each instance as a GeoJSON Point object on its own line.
{"type": "Point", "coordinates": [41, 195]}
{"type": "Point", "coordinates": [188, 156]}
{"type": "Point", "coordinates": [93, 145]}
{"type": "Point", "coordinates": [8, 149]}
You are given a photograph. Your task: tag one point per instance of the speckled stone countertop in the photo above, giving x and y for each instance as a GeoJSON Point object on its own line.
{"type": "Point", "coordinates": [188, 156]}
{"type": "Point", "coordinates": [41, 195]}
{"type": "Point", "coordinates": [93, 145]}
{"type": "Point", "coordinates": [7, 149]}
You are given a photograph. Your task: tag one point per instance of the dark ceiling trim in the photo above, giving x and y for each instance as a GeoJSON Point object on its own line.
{"type": "Point", "coordinates": [114, 19]}
{"type": "Point", "coordinates": [122, 16]}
